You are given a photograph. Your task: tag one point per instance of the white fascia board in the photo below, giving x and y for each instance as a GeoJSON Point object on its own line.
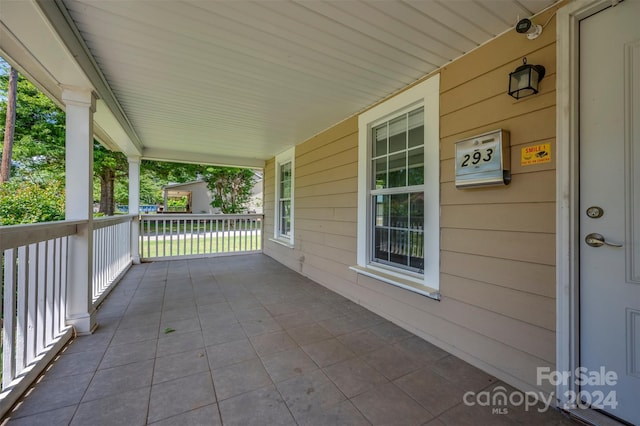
{"type": "Point", "coordinates": [38, 38]}
{"type": "Point", "coordinates": [198, 158]}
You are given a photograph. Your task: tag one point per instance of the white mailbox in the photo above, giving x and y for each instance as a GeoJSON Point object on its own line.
{"type": "Point", "coordinates": [483, 160]}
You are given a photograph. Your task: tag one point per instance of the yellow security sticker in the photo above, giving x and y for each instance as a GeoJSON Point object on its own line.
{"type": "Point", "coordinates": [536, 154]}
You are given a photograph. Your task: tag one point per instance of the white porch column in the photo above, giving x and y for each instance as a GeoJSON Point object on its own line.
{"type": "Point", "coordinates": [80, 105]}
{"type": "Point", "coordinates": [134, 205]}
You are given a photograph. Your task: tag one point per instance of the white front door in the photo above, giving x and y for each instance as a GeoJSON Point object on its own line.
{"type": "Point", "coordinates": [610, 211]}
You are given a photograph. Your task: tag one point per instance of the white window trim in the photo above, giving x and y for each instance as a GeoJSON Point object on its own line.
{"type": "Point", "coordinates": [283, 158]}
{"type": "Point", "coordinates": [424, 94]}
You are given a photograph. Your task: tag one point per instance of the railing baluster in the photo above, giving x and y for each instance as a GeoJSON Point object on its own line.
{"type": "Point", "coordinates": [210, 222]}
{"type": "Point", "coordinates": [184, 237]}
{"type": "Point", "coordinates": [64, 269]}
{"type": "Point", "coordinates": [170, 226]}
{"type": "Point", "coordinates": [217, 235]}
{"type": "Point", "coordinates": [57, 286]}
{"type": "Point", "coordinates": [42, 296]}
{"type": "Point", "coordinates": [32, 304]}
{"type": "Point", "coordinates": [21, 311]}
{"type": "Point", "coordinates": [243, 235]}
{"type": "Point", "coordinates": [50, 300]}
{"type": "Point", "coordinates": [9, 317]}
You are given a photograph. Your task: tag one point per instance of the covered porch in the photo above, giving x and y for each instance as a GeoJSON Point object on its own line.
{"type": "Point", "coordinates": [244, 340]}
{"type": "Point", "coordinates": [300, 90]}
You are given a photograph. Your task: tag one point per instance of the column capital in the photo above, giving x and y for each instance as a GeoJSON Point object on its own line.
{"type": "Point", "coordinates": [134, 159]}
{"type": "Point", "coordinates": [79, 96]}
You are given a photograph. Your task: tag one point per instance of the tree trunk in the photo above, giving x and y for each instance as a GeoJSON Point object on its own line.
{"type": "Point", "coordinates": [10, 125]}
{"type": "Point", "coordinates": [107, 199]}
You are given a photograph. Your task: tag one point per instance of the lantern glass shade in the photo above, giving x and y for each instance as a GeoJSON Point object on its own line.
{"type": "Point", "coordinates": [524, 81]}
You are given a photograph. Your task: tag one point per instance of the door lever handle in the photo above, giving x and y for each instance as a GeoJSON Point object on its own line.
{"type": "Point", "coordinates": [597, 240]}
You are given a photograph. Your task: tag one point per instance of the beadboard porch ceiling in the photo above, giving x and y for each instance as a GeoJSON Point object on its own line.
{"type": "Point", "coordinates": [240, 81]}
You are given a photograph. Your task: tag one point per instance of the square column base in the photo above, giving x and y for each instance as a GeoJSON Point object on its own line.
{"type": "Point", "coordinates": [83, 324]}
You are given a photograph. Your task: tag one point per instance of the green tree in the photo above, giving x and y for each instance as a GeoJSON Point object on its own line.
{"type": "Point", "coordinates": [39, 132]}
{"type": "Point", "coordinates": [23, 201]}
{"type": "Point", "coordinates": [108, 166]}
{"type": "Point", "coordinates": [231, 188]}
{"type": "Point", "coordinates": [10, 122]}
{"type": "Point", "coordinates": [39, 143]}
{"type": "Point", "coordinates": [172, 172]}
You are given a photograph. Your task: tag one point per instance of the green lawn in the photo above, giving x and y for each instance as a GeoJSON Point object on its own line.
{"type": "Point", "coordinates": [199, 244]}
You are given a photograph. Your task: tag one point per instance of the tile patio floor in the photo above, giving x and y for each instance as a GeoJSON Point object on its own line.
{"type": "Point", "coordinates": [254, 343]}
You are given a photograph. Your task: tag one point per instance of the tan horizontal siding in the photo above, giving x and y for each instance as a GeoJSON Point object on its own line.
{"type": "Point", "coordinates": [347, 128]}
{"type": "Point", "coordinates": [521, 246]}
{"type": "Point", "coordinates": [524, 129]}
{"type": "Point", "coordinates": [328, 213]}
{"type": "Point", "coordinates": [496, 109]}
{"type": "Point", "coordinates": [349, 185]}
{"type": "Point", "coordinates": [528, 277]}
{"type": "Point", "coordinates": [493, 83]}
{"type": "Point", "coordinates": [344, 242]}
{"type": "Point", "coordinates": [520, 217]}
{"type": "Point", "coordinates": [327, 226]}
{"type": "Point", "coordinates": [319, 164]}
{"type": "Point", "coordinates": [525, 307]}
{"type": "Point", "coordinates": [333, 174]}
{"type": "Point", "coordinates": [268, 198]}
{"type": "Point", "coordinates": [525, 188]}
{"type": "Point", "coordinates": [326, 170]}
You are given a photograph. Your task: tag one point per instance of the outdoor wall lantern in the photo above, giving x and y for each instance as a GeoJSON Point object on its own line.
{"type": "Point", "coordinates": [525, 79]}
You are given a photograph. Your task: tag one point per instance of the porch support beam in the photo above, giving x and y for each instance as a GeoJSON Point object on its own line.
{"type": "Point", "coordinates": [80, 105]}
{"type": "Point", "coordinates": [134, 205]}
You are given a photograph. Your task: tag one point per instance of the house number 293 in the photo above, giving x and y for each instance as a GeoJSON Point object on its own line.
{"type": "Point", "coordinates": [476, 157]}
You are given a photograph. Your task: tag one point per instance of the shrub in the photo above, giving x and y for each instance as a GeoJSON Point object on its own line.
{"type": "Point", "coordinates": [28, 202]}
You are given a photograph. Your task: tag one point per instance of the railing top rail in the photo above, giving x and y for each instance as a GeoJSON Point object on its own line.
{"type": "Point", "coordinates": [199, 216]}
{"type": "Point", "coordinates": [13, 236]}
{"type": "Point", "coordinates": [103, 222]}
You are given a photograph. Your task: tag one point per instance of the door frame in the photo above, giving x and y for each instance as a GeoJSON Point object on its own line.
{"type": "Point", "coordinates": [567, 188]}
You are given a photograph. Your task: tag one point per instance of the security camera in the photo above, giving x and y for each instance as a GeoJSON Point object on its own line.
{"type": "Point", "coordinates": [525, 26]}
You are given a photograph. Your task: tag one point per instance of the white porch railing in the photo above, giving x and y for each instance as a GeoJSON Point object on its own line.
{"type": "Point", "coordinates": [171, 236]}
{"type": "Point", "coordinates": [35, 268]}
{"type": "Point", "coordinates": [34, 280]}
{"type": "Point", "coordinates": [111, 252]}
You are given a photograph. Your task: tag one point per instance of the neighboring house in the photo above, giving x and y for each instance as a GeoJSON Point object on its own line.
{"type": "Point", "coordinates": [199, 198]}
{"type": "Point", "coordinates": [196, 193]}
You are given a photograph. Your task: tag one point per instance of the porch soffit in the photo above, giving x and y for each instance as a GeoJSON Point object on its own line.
{"type": "Point", "coordinates": [236, 82]}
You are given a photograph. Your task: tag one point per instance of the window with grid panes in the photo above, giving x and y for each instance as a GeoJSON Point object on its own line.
{"type": "Point", "coordinates": [397, 191]}
{"type": "Point", "coordinates": [284, 201]}
{"type": "Point", "coordinates": [283, 228]}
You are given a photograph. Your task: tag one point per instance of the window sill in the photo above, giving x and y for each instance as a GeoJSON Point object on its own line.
{"type": "Point", "coordinates": [397, 281]}
{"type": "Point", "coordinates": [282, 243]}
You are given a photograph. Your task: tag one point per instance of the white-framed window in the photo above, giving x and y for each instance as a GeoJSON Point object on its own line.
{"type": "Point", "coordinates": [399, 190]}
{"type": "Point", "coordinates": [284, 199]}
